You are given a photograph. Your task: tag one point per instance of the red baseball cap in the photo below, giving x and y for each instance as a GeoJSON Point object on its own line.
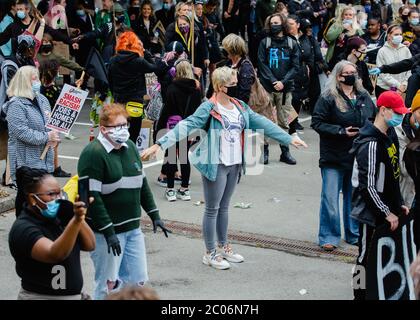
{"type": "Point", "coordinates": [392, 100]}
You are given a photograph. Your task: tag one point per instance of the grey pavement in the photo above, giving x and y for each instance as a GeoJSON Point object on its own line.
{"type": "Point", "coordinates": [175, 264]}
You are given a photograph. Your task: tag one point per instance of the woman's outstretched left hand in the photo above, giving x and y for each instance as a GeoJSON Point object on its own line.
{"type": "Point", "coordinates": [298, 142]}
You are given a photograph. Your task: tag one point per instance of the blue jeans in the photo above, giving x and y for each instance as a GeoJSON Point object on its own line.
{"type": "Point", "coordinates": [334, 180]}
{"type": "Point", "coordinates": [113, 272]}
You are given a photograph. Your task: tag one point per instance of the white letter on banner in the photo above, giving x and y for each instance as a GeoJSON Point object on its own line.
{"type": "Point", "coordinates": [389, 268]}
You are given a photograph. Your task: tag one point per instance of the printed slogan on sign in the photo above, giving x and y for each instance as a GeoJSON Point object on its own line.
{"type": "Point", "coordinates": [67, 109]}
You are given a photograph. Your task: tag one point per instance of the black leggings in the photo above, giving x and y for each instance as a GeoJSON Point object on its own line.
{"type": "Point", "coordinates": [172, 167]}
{"type": "Point", "coordinates": [135, 126]}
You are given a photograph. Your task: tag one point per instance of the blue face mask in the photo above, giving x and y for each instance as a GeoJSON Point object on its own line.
{"type": "Point", "coordinates": [347, 21]}
{"type": "Point", "coordinates": [416, 124]}
{"type": "Point", "coordinates": [21, 14]}
{"type": "Point", "coordinates": [166, 6]}
{"type": "Point", "coordinates": [395, 121]}
{"type": "Point", "coordinates": [81, 13]}
{"type": "Point", "coordinates": [52, 208]}
{"type": "Point", "coordinates": [412, 1]}
{"type": "Point", "coordinates": [414, 22]}
{"type": "Point", "coordinates": [363, 24]}
{"type": "Point", "coordinates": [36, 86]}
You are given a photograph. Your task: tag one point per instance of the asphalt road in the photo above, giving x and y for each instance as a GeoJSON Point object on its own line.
{"type": "Point", "coordinates": [284, 203]}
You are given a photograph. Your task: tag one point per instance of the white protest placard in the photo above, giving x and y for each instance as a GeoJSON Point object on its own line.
{"type": "Point", "coordinates": [67, 109]}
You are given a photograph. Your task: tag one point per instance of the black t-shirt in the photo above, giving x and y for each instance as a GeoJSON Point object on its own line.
{"type": "Point", "coordinates": [39, 277]}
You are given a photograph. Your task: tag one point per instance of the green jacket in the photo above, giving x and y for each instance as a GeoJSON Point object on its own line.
{"type": "Point", "coordinates": [331, 36]}
{"type": "Point", "coordinates": [69, 64]}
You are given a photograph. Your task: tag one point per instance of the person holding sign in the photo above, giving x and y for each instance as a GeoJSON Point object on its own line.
{"type": "Point", "coordinates": [27, 113]}
{"type": "Point", "coordinates": [377, 197]}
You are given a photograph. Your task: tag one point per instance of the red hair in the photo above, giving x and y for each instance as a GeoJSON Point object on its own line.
{"type": "Point", "coordinates": [128, 41]}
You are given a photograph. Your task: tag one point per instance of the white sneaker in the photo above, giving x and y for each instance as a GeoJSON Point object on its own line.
{"type": "Point", "coordinates": [170, 195]}
{"type": "Point", "coordinates": [215, 260]}
{"type": "Point", "coordinates": [228, 254]}
{"type": "Point", "coordinates": [183, 195]}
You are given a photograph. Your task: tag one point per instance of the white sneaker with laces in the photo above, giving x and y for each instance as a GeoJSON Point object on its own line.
{"type": "Point", "coordinates": [215, 260]}
{"type": "Point", "coordinates": [183, 195]}
{"type": "Point", "coordinates": [170, 195]}
{"type": "Point", "coordinates": [228, 254]}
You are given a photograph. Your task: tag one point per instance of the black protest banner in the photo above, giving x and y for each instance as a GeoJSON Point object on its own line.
{"type": "Point", "coordinates": [390, 255]}
{"type": "Point", "coordinates": [67, 109]}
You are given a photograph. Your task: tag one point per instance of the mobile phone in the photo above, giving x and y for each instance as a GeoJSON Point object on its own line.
{"type": "Point", "coordinates": [83, 190]}
{"type": "Point", "coordinates": [354, 129]}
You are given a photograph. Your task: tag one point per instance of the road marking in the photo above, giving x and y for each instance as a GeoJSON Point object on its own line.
{"type": "Point", "coordinates": [83, 124]}
{"type": "Point", "coordinates": [68, 157]}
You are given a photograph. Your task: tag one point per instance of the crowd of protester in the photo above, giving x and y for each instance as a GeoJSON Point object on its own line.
{"type": "Point", "coordinates": [222, 67]}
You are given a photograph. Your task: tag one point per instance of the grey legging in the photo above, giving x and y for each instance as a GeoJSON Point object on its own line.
{"type": "Point", "coordinates": [217, 196]}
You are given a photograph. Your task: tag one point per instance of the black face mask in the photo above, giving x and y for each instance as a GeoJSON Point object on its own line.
{"type": "Point", "coordinates": [232, 91]}
{"type": "Point", "coordinates": [404, 17]}
{"type": "Point", "coordinates": [349, 80]}
{"type": "Point", "coordinates": [276, 29]}
{"type": "Point", "coordinates": [46, 48]}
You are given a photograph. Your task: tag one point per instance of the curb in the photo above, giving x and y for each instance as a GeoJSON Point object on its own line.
{"type": "Point", "coordinates": [8, 203]}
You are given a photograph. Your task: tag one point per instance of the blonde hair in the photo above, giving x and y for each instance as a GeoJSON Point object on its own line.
{"type": "Point", "coordinates": [21, 83]}
{"type": "Point", "coordinates": [355, 25]}
{"type": "Point", "coordinates": [184, 70]}
{"type": "Point", "coordinates": [234, 45]}
{"type": "Point", "coordinates": [178, 7]}
{"type": "Point", "coordinates": [221, 77]}
{"type": "Point", "coordinates": [333, 85]}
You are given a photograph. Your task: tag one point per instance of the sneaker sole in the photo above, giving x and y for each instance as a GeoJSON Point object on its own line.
{"type": "Point", "coordinates": [233, 260]}
{"type": "Point", "coordinates": [213, 266]}
{"type": "Point", "coordinates": [184, 199]}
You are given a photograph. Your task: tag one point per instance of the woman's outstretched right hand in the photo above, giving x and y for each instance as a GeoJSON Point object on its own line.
{"type": "Point", "coordinates": [152, 151]}
{"type": "Point", "coordinates": [298, 142]}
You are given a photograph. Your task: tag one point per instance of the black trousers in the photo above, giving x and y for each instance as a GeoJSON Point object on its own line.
{"type": "Point", "coordinates": [172, 166]}
{"type": "Point", "coordinates": [365, 239]}
{"type": "Point", "coordinates": [135, 126]}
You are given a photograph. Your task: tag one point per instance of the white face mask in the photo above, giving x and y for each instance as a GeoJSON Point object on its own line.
{"type": "Point", "coordinates": [397, 39]}
{"type": "Point", "coordinates": [118, 136]}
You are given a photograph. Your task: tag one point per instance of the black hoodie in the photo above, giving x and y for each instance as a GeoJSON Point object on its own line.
{"type": "Point", "coordinates": [375, 178]}
{"type": "Point", "coordinates": [127, 75]}
{"type": "Point", "coordinates": [182, 98]}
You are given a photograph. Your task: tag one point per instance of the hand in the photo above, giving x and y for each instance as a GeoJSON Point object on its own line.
{"type": "Point", "coordinates": [374, 71]}
{"type": "Point", "coordinates": [79, 82]}
{"type": "Point", "coordinates": [80, 209]}
{"type": "Point", "coordinates": [169, 56]}
{"type": "Point", "coordinates": [226, 15]}
{"type": "Point", "coordinates": [316, 14]}
{"type": "Point", "coordinates": [278, 85]}
{"type": "Point", "coordinates": [385, 26]}
{"type": "Point", "coordinates": [405, 210]}
{"type": "Point", "coordinates": [114, 244]}
{"type": "Point", "coordinates": [402, 88]}
{"type": "Point", "coordinates": [75, 32]}
{"type": "Point", "coordinates": [415, 274]}
{"type": "Point", "coordinates": [78, 39]}
{"type": "Point", "coordinates": [197, 71]}
{"type": "Point", "coordinates": [407, 43]}
{"type": "Point", "coordinates": [350, 133]}
{"type": "Point", "coordinates": [152, 151]}
{"type": "Point", "coordinates": [393, 220]}
{"type": "Point", "coordinates": [159, 223]}
{"type": "Point", "coordinates": [207, 62]}
{"type": "Point", "coordinates": [53, 136]}
{"type": "Point", "coordinates": [75, 46]}
{"type": "Point", "coordinates": [298, 142]}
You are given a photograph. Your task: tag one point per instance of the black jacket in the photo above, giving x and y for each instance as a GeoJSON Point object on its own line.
{"type": "Point", "coordinates": [166, 16]}
{"type": "Point", "coordinates": [85, 45]}
{"type": "Point", "coordinates": [284, 63]}
{"type": "Point", "coordinates": [375, 177]}
{"type": "Point", "coordinates": [413, 84]}
{"type": "Point", "coordinates": [363, 72]}
{"type": "Point", "coordinates": [146, 35]}
{"type": "Point", "coordinates": [200, 44]}
{"type": "Point", "coordinates": [330, 123]}
{"type": "Point", "coordinates": [373, 46]}
{"type": "Point", "coordinates": [302, 10]}
{"type": "Point", "coordinates": [182, 98]}
{"type": "Point", "coordinates": [126, 75]}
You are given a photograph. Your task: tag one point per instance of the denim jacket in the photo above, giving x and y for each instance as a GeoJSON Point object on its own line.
{"type": "Point", "coordinates": [205, 156]}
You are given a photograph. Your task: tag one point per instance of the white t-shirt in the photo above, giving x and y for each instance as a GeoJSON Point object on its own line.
{"type": "Point", "coordinates": [230, 139]}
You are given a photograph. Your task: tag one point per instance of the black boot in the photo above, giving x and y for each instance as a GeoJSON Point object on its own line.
{"type": "Point", "coordinates": [286, 157]}
{"type": "Point", "coordinates": [266, 154]}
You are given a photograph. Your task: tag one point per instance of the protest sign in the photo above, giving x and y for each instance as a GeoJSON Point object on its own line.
{"type": "Point", "coordinates": [145, 136]}
{"type": "Point", "coordinates": [390, 255]}
{"type": "Point", "coordinates": [67, 109]}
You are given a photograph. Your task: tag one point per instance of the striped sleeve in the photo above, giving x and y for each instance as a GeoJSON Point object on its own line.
{"type": "Point", "coordinates": [369, 171]}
